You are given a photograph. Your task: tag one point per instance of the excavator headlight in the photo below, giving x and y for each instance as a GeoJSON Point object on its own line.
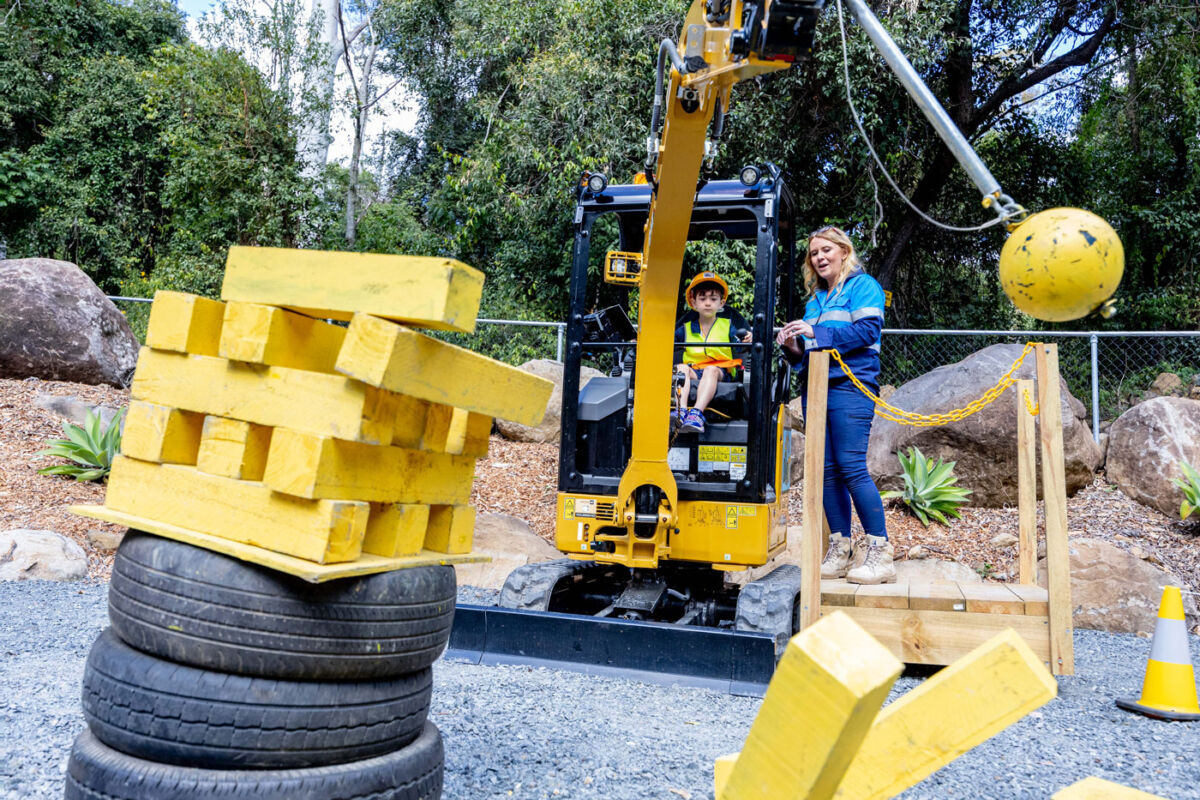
{"type": "Point", "coordinates": [597, 182]}
{"type": "Point", "coordinates": [750, 175]}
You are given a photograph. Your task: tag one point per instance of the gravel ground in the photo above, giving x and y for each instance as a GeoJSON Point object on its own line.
{"type": "Point", "coordinates": [532, 733]}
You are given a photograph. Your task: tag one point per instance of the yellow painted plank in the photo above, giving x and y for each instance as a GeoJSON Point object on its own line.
{"type": "Point", "coordinates": [234, 449]}
{"type": "Point", "coordinates": [321, 531]}
{"type": "Point", "coordinates": [883, 595]}
{"type": "Point", "coordinates": [314, 466]}
{"type": "Point", "coordinates": [991, 598]}
{"type": "Point", "coordinates": [262, 334]}
{"type": "Point", "coordinates": [936, 596]}
{"type": "Point", "coordinates": [396, 529]}
{"type": "Point", "coordinates": [438, 421]}
{"type": "Point", "coordinates": [451, 529]}
{"type": "Point", "coordinates": [829, 686]}
{"type": "Point", "coordinates": [323, 405]}
{"type": "Point", "coordinates": [960, 707]}
{"type": "Point", "coordinates": [161, 433]}
{"type": "Point", "coordinates": [390, 356]}
{"type": "Point", "coordinates": [185, 323]}
{"type": "Point", "coordinates": [722, 769]}
{"type": "Point", "coordinates": [1036, 598]}
{"type": "Point", "coordinates": [838, 593]}
{"type": "Point", "coordinates": [1099, 789]}
{"type": "Point", "coordinates": [417, 290]}
{"type": "Point", "coordinates": [940, 637]}
{"type": "Point", "coordinates": [477, 435]}
{"type": "Point", "coordinates": [366, 564]}
{"type": "Point", "coordinates": [409, 417]}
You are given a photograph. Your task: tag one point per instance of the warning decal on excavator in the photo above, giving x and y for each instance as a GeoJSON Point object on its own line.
{"type": "Point", "coordinates": [722, 458]}
{"type": "Point", "coordinates": [731, 516]}
{"type": "Point", "coordinates": [569, 508]}
{"type": "Point", "coordinates": [585, 507]}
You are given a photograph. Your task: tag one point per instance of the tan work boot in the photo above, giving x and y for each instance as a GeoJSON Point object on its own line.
{"type": "Point", "coordinates": [837, 557]}
{"type": "Point", "coordinates": [876, 565]}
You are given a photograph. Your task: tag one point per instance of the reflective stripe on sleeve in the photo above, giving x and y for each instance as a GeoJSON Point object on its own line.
{"type": "Point", "coordinates": [835, 316]}
{"type": "Point", "coordinates": [863, 313]}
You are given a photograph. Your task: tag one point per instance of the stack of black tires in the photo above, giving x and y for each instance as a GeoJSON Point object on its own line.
{"type": "Point", "coordinates": [222, 679]}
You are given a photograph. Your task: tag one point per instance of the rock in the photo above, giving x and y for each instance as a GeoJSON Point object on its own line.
{"type": "Point", "coordinates": [1167, 383]}
{"type": "Point", "coordinates": [935, 569]}
{"type": "Point", "coordinates": [40, 555]}
{"type": "Point", "coordinates": [918, 551]}
{"type": "Point", "coordinates": [75, 410]}
{"type": "Point", "coordinates": [1004, 540]}
{"type": "Point", "coordinates": [1103, 450]}
{"type": "Point", "coordinates": [551, 425]}
{"type": "Point", "coordinates": [1145, 446]}
{"type": "Point", "coordinates": [104, 539]}
{"type": "Point", "coordinates": [984, 445]}
{"type": "Point", "coordinates": [795, 414]}
{"type": "Point", "coordinates": [1194, 393]}
{"type": "Point", "coordinates": [57, 325]}
{"type": "Point", "coordinates": [797, 467]}
{"type": "Point", "coordinates": [886, 391]}
{"type": "Point", "coordinates": [1115, 591]}
{"type": "Point", "coordinates": [510, 542]}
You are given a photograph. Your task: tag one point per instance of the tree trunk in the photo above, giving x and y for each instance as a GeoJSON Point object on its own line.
{"type": "Point", "coordinates": [363, 96]}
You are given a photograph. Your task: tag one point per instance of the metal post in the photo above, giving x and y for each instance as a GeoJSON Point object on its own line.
{"type": "Point", "coordinates": [1095, 388]}
{"type": "Point", "coordinates": [562, 326]}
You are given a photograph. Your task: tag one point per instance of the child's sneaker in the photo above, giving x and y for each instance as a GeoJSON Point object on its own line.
{"type": "Point", "coordinates": [693, 420]}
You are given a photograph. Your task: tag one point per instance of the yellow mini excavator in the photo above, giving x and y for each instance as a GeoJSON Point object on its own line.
{"type": "Point", "coordinates": [652, 520]}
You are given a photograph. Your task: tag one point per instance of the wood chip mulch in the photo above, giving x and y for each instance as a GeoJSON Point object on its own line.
{"type": "Point", "coordinates": [521, 480]}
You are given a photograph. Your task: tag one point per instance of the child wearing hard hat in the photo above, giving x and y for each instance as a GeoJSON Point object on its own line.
{"type": "Point", "coordinates": [705, 356]}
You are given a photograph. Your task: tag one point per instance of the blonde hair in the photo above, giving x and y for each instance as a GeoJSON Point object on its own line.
{"type": "Point", "coordinates": [831, 233]}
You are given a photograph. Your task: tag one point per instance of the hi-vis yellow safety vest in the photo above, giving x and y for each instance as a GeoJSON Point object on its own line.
{"type": "Point", "coordinates": [710, 355]}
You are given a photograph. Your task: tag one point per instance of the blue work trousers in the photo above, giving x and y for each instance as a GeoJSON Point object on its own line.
{"type": "Point", "coordinates": [847, 431]}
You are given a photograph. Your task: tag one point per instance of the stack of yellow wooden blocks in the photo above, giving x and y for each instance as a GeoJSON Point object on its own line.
{"type": "Point", "coordinates": [260, 428]}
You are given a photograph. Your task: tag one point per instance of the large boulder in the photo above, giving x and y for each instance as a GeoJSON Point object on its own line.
{"type": "Point", "coordinates": [984, 444]}
{"type": "Point", "coordinates": [57, 325]}
{"type": "Point", "coordinates": [74, 410]}
{"type": "Point", "coordinates": [510, 542]}
{"type": "Point", "coordinates": [1113, 590]}
{"type": "Point", "coordinates": [40, 555]}
{"type": "Point", "coordinates": [551, 425]}
{"type": "Point", "coordinates": [1145, 446]}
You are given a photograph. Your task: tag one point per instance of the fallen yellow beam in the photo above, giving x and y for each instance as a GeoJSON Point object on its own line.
{"type": "Point", "coordinates": [162, 434]}
{"type": "Point", "coordinates": [303, 465]}
{"type": "Point", "coordinates": [417, 290]}
{"type": "Point", "coordinates": [262, 334]}
{"type": "Point", "coordinates": [366, 564]}
{"type": "Point", "coordinates": [390, 356]}
{"type": "Point", "coordinates": [1100, 789]}
{"type": "Point", "coordinates": [234, 449]}
{"type": "Point", "coordinates": [829, 686]}
{"type": "Point", "coordinates": [317, 530]}
{"type": "Point", "coordinates": [320, 404]}
{"type": "Point", "coordinates": [185, 323]}
{"type": "Point", "coordinates": [961, 706]}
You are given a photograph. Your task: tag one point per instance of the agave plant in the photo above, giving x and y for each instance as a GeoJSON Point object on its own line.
{"type": "Point", "coordinates": [929, 490]}
{"type": "Point", "coordinates": [90, 450]}
{"type": "Point", "coordinates": [1190, 483]}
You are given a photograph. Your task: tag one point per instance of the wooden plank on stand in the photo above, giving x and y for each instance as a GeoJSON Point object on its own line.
{"type": "Point", "coordinates": [813, 527]}
{"type": "Point", "coordinates": [313, 402]}
{"type": "Point", "coordinates": [883, 595]}
{"type": "Point", "coordinates": [1026, 483]}
{"type": "Point", "coordinates": [838, 593]}
{"type": "Point", "coordinates": [936, 596]}
{"type": "Point", "coordinates": [940, 637]}
{"type": "Point", "coordinates": [991, 598]}
{"type": "Point", "coordinates": [185, 323]}
{"type": "Point", "coordinates": [1054, 495]}
{"type": "Point", "coordinates": [827, 690]}
{"type": "Point", "coordinates": [392, 357]}
{"type": "Point", "coordinates": [321, 531]}
{"type": "Point", "coordinates": [263, 334]}
{"type": "Point", "coordinates": [424, 291]}
{"type": "Point", "coordinates": [161, 434]}
{"type": "Point", "coordinates": [304, 465]}
{"type": "Point", "coordinates": [1036, 599]}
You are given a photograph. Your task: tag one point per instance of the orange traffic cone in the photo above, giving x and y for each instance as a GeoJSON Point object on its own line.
{"type": "Point", "coordinates": [1169, 691]}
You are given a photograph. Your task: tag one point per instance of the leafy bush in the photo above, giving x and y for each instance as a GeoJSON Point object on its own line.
{"type": "Point", "coordinates": [929, 489]}
{"type": "Point", "coordinates": [1190, 484]}
{"type": "Point", "coordinates": [91, 450]}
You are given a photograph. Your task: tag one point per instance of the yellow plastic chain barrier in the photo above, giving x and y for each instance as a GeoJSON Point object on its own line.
{"type": "Point", "coordinates": [903, 417]}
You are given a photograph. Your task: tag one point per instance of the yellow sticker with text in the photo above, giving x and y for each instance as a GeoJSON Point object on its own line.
{"type": "Point", "coordinates": [731, 516]}
{"type": "Point", "coordinates": [569, 508]}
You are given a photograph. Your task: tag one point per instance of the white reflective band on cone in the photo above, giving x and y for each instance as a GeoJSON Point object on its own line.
{"type": "Point", "coordinates": [1170, 642]}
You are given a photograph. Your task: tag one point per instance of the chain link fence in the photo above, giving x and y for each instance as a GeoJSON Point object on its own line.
{"type": "Point", "coordinates": [1108, 372]}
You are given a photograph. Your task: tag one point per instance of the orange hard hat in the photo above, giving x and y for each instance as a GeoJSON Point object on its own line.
{"type": "Point", "coordinates": [706, 277]}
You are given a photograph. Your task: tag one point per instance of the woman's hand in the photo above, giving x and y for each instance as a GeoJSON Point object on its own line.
{"type": "Point", "coordinates": [793, 329]}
